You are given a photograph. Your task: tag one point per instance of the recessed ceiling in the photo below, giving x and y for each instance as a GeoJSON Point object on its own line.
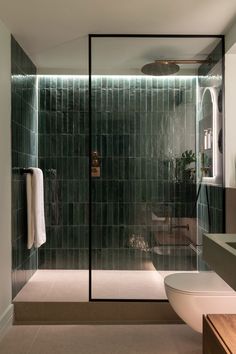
{"type": "Point", "coordinates": [54, 32]}
{"type": "Point", "coordinates": [126, 56]}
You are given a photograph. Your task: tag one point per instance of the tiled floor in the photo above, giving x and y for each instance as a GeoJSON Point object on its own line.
{"type": "Point", "coordinates": [72, 285]}
{"type": "Point", "coordinates": [127, 285]}
{"type": "Point", "coordinates": [101, 339]}
{"type": "Point", "coordinates": [56, 285]}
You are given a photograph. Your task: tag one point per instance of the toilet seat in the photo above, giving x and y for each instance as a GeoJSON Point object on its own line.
{"type": "Point", "coordinates": [202, 283]}
{"type": "Point", "coordinates": [193, 295]}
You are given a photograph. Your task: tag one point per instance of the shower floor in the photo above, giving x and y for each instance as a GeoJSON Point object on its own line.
{"type": "Point", "coordinates": [73, 285]}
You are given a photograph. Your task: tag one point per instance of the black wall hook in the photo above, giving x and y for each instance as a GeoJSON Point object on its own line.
{"type": "Point", "coordinates": [26, 170]}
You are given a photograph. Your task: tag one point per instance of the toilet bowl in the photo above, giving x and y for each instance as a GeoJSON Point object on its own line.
{"type": "Point", "coordinates": [194, 294]}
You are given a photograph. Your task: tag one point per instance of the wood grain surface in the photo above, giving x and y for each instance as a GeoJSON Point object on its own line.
{"type": "Point", "coordinates": [225, 327]}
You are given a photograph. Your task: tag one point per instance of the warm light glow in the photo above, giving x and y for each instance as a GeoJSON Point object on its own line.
{"type": "Point", "coordinates": [63, 76]}
{"type": "Point", "coordinates": [215, 171]}
{"type": "Point", "coordinates": [127, 77]}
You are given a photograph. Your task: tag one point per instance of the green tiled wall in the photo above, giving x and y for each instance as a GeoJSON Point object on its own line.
{"type": "Point", "coordinates": [210, 215]}
{"type": "Point", "coordinates": [63, 157]}
{"type": "Point", "coordinates": [216, 205]}
{"type": "Point", "coordinates": [139, 126]}
{"type": "Point", "coordinates": [24, 154]}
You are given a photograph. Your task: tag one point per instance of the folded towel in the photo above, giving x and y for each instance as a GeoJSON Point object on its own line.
{"type": "Point", "coordinates": [30, 218]}
{"type": "Point", "coordinates": [35, 209]}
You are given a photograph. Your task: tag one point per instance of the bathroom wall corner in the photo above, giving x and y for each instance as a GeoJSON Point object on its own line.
{"type": "Point", "coordinates": [6, 320]}
{"type": "Point", "coordinates": [230, 207]}
{"type": "Point", "coordinates": [24, 117]}
{"type": "Point", "coordinates": [5, 172]}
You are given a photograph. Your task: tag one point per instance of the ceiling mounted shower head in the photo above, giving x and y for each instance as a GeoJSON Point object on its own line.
{"type": "Point", "coordinates": [160, 67]}
{"type": "Point", "coordinates": [168, 67]}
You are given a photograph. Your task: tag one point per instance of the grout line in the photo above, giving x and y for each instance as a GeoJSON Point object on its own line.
{"type": "Point", "coordinates": [33, 340]}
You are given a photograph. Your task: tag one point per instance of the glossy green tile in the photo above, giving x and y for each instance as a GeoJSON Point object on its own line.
{"type": "Point", "coordinates": [130, 128]}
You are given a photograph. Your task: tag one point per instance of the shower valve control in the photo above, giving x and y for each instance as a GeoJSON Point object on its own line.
{"type": "Point", "coordinates": [95, 165]}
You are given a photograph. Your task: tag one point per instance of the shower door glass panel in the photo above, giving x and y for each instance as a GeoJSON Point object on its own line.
{"type": "Point", "coordinates": [210, 118]}
{"type": "Point", "coordinates": [143, 165]}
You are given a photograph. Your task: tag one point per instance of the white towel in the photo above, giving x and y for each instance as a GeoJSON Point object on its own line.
{"type": "Point", "coordinates": [35, 208]}
{"type": "Point", "coordinates": [30, 219]}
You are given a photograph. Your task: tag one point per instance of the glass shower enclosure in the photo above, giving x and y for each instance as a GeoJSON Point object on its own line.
{"type": "Point", "coordinates": [156, 151]}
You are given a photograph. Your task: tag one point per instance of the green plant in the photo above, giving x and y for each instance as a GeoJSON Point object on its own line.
{"type": "Point", "coordinates": [187, 157]}
{"type": "Point", "coordinates": [183, 169]}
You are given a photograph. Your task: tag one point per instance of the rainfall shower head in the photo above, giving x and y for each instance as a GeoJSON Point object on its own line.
{"type": "Point", "coordinates": [160, 67]}
{"type": "Point", "coordinates": [167, 67]}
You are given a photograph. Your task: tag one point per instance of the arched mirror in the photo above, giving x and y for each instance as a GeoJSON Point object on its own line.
{"type": "Point", "coordinates": [207, 132]}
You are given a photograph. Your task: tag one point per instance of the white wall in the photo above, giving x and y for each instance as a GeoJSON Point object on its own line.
{"type": "Point", "coordinates": [230, 37]}
{"type": "Point", "coordinates": [230, 120]}
{"type": "Point", "coordinates": [5, 174]}
{"type": "Point", "coordinates": [230, 108]}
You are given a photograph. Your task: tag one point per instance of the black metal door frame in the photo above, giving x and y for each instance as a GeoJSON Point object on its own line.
{"type": "Point", "coordinates": [90, 37]}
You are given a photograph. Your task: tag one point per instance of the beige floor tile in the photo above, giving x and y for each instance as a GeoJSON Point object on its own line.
{"type": "Point", "coordinates": [103, 339]}
{"type": "Point", "coordinates": [128, 285]}
{"type": "Point", "coordinates": [73, 285]}
{"type": "Point", "coordinates": [18, 340]}
{"type": "Point", "coordinates": [56, 285]}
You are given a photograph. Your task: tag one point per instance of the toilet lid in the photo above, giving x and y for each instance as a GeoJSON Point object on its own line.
{"type": "Point", "coordinates": [203, 282]}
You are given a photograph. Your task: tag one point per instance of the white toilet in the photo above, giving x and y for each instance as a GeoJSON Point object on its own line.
{"type": "Point", "coordinates": [194, 294]}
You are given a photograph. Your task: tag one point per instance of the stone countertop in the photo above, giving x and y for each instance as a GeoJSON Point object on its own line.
{"type": "Point", "coordinates": [221, 256]}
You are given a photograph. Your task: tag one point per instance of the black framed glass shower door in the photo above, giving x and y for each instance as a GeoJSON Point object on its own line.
{"type": "Point", "coordinates": [143, 163]}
